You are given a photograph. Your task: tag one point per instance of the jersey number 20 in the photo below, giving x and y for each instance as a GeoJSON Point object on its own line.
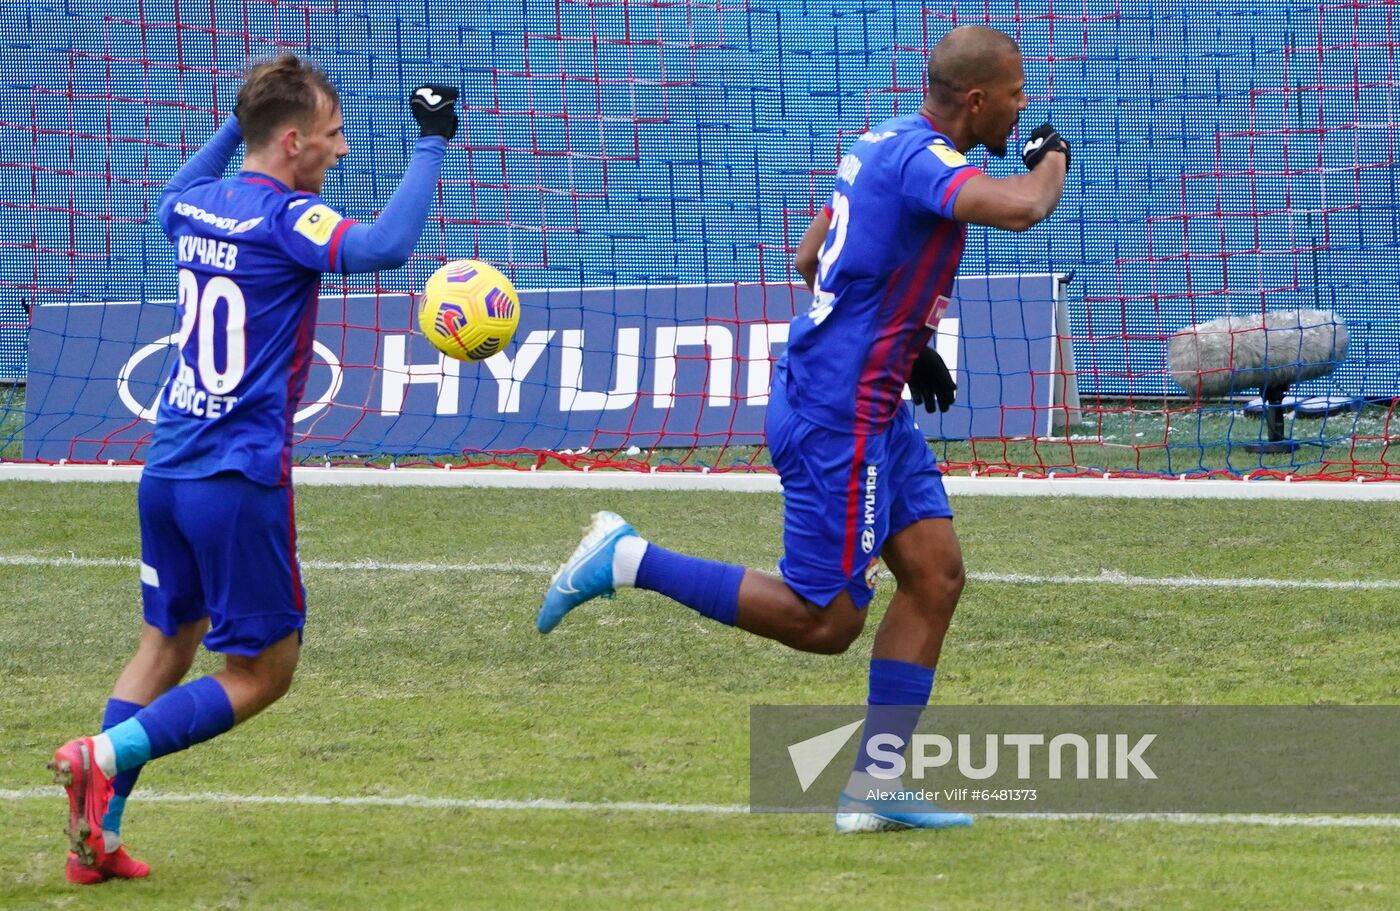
{"type": "Point", "coordinates": [198, 308]}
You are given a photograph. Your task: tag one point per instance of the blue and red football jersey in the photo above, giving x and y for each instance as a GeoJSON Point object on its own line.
{"type": "Point", "coordinates": [250, 253]}
{"type": "Point", "coordinates": [884, 274]}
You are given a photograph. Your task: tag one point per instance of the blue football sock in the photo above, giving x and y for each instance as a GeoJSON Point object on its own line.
{"type": "Point", "coordinates": [898, 693]}
{"type": "Point", "coordinates": [119, 710]}
{"type": "Point", "coordinates": [184, 716]}
{"type": "Point", "coordinates": [708, 587]}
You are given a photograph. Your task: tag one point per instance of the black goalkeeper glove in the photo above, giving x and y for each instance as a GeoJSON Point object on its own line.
{"type": "Point", "coordinates": [434, 107]}
{"type": "Point", "coordinates": [1044, 140]}
{"type": "Point", "coordinates": [930, 383]}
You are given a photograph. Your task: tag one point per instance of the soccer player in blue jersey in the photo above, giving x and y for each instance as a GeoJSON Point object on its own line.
{"type": "Point", "coordinates": [218, 534]}
{"type": "Point", "coordinates": [859, 480]}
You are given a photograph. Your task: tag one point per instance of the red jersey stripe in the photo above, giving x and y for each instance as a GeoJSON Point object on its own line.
{"type": "Point", "coordinates": [907, 288]}
{"type": "Point", "coordinates": [297, 372]}
{"type": "Point", "coordinates": [336, 235]}
{"type": "Point", "coordinates": [958, 180]}
{"type": "Point", "coordinates": [854, 493]}
{"type": "Point", "coordinates": [298, 596]}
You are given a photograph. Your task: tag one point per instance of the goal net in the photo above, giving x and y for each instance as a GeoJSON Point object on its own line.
{"type": "Point", "coordinates": [643, 171]}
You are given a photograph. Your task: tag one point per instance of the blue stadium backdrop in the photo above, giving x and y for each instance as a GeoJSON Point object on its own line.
{"type": "Point", "coordinates": [1230, 158]}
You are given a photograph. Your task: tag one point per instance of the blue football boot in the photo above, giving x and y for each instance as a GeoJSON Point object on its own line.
{"type": "Point", "coordinates": [588, 573]}
{"type": "Point", "coordinates": [855, 815]}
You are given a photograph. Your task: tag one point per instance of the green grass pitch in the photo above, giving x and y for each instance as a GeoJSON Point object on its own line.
{"type": "Point", "coordinates": [434, 684]}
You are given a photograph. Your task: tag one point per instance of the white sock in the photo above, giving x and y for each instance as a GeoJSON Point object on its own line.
{"type": "Point", "coordinates": [104, 755]}
{"type": "Point", "coordinates": [627, 559]}
{"type": "Point", "coordinates": [111, 841]}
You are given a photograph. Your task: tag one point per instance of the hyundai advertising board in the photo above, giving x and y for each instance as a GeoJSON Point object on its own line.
{"type": "Point", "coordinates": [648, 366]}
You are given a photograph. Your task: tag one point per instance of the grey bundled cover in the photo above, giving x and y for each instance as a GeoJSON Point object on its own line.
{"type": "Point", "coordinates": [1239, 353]}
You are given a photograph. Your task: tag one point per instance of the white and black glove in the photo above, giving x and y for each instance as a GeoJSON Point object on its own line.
{"type": "Point", "coordinates": [435, 109]}
{"type": "Point", "coordinates": [1044, 140]}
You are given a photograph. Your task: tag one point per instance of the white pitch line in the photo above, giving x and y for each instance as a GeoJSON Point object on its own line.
{"type": "Point", "coordinates": [333, 565]}
{"type": "Point", "coordinates": [458, 803]}
{"type": "Point", "coordinates": [1106, 577]}
{"type": "Point", "coordinates": [410, 800]}
{"type": "Point", "coordinates": [1217, 819]}
{"type": "Point", "coordinates": [1112, 577]}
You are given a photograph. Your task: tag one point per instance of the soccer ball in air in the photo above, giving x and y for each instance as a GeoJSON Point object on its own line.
{"type": "Point", "coordinates": [469, 310]}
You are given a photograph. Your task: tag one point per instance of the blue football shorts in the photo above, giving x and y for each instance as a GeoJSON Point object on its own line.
{"type": "Point", "coordinates": [224, 548]}
{"type": "Point", "coordinates": [845, 495]}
